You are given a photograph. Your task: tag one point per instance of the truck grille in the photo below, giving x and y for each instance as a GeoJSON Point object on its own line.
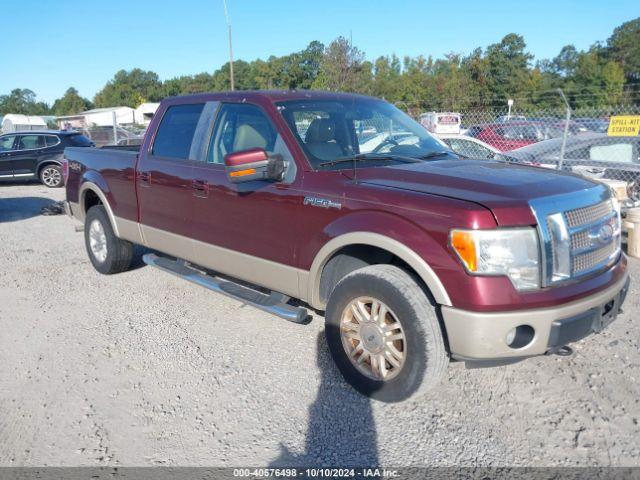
{"type": "Point", "coordinates": [593, 240]}
{"type": "Point", "coordinates": [584, 215]}
{"type": "Point", "coordinates": [586, 261]}
{"type": "Point", "coordinates": [580, 234]}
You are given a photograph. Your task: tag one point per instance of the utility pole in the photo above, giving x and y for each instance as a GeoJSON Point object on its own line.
{"type": "Point", "coordinates": [226, 16]}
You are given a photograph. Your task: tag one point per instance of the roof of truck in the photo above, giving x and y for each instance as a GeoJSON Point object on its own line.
{"type": "Point", "coordinates": [273, 95]}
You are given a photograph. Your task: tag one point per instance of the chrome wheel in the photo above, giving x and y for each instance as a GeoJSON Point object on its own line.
{"type": "Point", "coordinates": [98, 241]}
{"type": "Point", "coordinates": [373, 338]}
{"type": "Point", "coordinates": [51, 177]}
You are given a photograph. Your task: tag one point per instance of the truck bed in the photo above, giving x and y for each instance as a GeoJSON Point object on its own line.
{"type": "Point", "coordinates": [114, 166]}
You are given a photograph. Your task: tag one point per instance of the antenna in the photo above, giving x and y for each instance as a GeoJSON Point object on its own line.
{"type": "Point", "coordinates": [226, 16]}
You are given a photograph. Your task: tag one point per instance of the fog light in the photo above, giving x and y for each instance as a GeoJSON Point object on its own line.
{"type": "Point", "coordinates": [520, 336]}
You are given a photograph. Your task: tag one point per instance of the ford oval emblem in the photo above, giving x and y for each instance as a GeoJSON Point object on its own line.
{"type": "Point", "coordinates": [605, 234]}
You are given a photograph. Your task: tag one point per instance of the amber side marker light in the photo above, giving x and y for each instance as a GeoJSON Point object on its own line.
{"type": "Point", "coordinates": [242, 173]}
{"type": "Point", "coordinates": [465, 247]}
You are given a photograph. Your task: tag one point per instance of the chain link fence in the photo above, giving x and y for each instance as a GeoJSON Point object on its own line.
{"type": "Point", "coordinates": [599, 143]}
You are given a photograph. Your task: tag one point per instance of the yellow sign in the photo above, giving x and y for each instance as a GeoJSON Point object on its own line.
{"type": "Point", "coordinates": [624, 126]}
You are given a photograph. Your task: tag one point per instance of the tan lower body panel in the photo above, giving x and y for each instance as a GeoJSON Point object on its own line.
{"type": "Point", "coordinates": [474, 335]}
{"type": "Point", "coordinates": [274, 276]}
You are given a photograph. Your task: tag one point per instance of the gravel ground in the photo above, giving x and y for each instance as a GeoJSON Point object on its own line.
{"type": "Point", "coordinates": [143, 368]}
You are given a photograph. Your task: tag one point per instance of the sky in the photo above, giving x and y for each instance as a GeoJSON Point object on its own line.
{"type": "Point", "coordinates": [50, 45]}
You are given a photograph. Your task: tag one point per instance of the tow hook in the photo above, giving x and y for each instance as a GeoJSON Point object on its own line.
{"type": "Point", "coordinates": [564, 351]}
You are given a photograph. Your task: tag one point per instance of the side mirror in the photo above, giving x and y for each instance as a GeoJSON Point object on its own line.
{"type": "Point", "coordinates": [253, 164]}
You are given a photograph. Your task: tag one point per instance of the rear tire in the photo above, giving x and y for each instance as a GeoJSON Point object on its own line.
{"type": "Point", "coordinates": [51, 176]}
{"type": "Point", "coordinates": [108, 253]}
{"type": "Point", "coordinates": [384, 334]}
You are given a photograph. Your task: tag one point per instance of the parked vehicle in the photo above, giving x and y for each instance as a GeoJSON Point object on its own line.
{"type": "Point", "coordinates": [599, 125]}
{"type": "Point", "coordinates": [441, 122]}
{"type": "Point", "coordinates": [506, 136]}
{"type": "Point", "coordinates": [594, 155]}
{"type": "Point", "coordinates": [469, 147]}
{"type": "Point", "coordinates": [415, 255]}
{"type": "Point", "coordinates": [510, 118]}
{"type": "Point", "coordinates": [510, 135]}
{"type": "Point", "coordinates": [33, 154]}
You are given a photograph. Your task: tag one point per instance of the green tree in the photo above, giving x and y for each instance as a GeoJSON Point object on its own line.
{"type": "Point", "coordinates": [22, 101]}
{"type": "Point", "coordinates": [343, 68]}
{"type": "Point", "coordinates": [508, 66]}
{"type": "Point", "coordinates": [623, 46]}
{"type": "Point", "coordinates": [130, 89]}
{"type": "Point", "coordinates": [70, 103]}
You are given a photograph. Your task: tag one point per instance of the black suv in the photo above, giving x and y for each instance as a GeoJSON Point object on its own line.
{"type": "Point", "coordinates": [25, 155]}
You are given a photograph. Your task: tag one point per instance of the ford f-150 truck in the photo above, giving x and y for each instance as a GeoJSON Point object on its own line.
{"type": "Point", "coordinates": [416, 256]}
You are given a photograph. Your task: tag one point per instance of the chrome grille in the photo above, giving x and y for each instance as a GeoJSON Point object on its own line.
{"type": "Point", "coordinates": [584, 215]}
{"type": "Point", "coordinates": [579, 233]}
{"type": "Point", "coordinates": [580, 240]}
{"type": "Point", "coordinates": [586, 261]}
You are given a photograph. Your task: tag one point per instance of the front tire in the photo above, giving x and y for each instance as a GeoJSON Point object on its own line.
{"type": "Point", "coordinates": [51, 176]}
{"type": "Point", "coordinates": [384, 334]}
{"type": "Point", "coordinates": [108, 253]}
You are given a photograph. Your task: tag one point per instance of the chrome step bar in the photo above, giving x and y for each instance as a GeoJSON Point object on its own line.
{"type": "Point", "coordinates": [274, 303]}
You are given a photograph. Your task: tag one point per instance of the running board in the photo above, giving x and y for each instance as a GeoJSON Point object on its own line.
{"type": "Point", "coordinates": [275, 303]}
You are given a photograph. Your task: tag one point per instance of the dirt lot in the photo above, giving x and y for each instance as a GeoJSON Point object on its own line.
{"type": "Point", "coordinates": [142, 368]}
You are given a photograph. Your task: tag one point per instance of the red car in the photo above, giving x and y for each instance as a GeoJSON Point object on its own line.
{"type": "Point", "coordinates": [507, 136]}
{"type": "Point", "coordinates": [415, 255]}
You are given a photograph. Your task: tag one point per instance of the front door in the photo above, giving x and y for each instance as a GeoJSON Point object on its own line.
{"type": "Point", "coordinates": [25, 159]}
{"type": "Point", "coordinates": [247, 230]}
{"type": "Point", "coordinates": [6, 153]}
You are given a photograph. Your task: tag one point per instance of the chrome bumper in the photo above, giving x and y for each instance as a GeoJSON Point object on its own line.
{"type": "Point", "coordinates": [482, 336]}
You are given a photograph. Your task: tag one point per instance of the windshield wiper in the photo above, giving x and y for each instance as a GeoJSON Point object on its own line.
{"type": "Point", "coordinates": [437, 153]}
{"type": "Point", "coordinates": [367, 156]}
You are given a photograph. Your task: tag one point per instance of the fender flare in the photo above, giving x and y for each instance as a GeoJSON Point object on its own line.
{"type": "Point", "coordinates": [422, 268]}
{"type": "Point", "coordinates": [90, 186]}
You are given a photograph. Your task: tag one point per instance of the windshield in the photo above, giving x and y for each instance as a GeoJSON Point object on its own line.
{"type": "Point", "coordinates": [333, 132]}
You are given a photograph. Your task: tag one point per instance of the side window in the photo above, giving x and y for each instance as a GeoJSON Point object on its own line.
{"type": "Point", "coordinates": [176, 131]}
{"type": "Point", "coordinates": [51, 140]}
{"type": "Point", "coordinates": [30, 142]}
{"type": "Point", "coordinates": [613, 152]}
{"type": "Point", "coordinates": [6, 143]}
{"type": "Point", "coordinates": [240, 127]}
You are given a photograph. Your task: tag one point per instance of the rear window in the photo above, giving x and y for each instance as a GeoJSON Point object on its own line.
{"type": "Point", "coordinates": [80, 141]}
{"type": "Point", "coordinates": [51, 140]}
{"type": "Point", "coordinates": [176, 131]}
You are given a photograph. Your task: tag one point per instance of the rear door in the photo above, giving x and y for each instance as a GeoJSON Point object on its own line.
{"type": "Point", "coordinates": [25, 159]}
{"type": "Point", "coordinates": [164, 181]}
{"type": "Point", "coordinates": [7, 150]}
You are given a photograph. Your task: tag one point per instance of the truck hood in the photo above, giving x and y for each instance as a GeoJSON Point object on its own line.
{"type": "Point", "coordinates": [505, 189]}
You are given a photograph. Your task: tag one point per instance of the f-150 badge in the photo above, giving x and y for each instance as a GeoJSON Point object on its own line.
{"type": "Point", "coordinates": [322, 202]}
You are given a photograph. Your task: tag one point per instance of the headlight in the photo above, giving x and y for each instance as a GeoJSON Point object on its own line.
{"type": "Point", "coordinates": [513, 252]}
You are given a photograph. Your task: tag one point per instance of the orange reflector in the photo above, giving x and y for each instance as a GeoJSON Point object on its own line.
{"type": "Point", "coordinates": [242, 173]}
{"type": "Point", "coordinates": [463, 244]}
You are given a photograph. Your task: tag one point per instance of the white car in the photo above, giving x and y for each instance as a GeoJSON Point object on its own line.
{"type": "Point", "coordinates": [468, 147]}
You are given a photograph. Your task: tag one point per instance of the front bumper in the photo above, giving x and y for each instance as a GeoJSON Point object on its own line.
{"type": "Point", "coordinates": [482, 336]}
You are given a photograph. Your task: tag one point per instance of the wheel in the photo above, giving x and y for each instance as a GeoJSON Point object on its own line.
{"type": "Point", "coordinates": [51, 176]}
{"type": "Point", "coordinates": [107, 253]}
{"type": "Point", "coordinates": [384, 334]}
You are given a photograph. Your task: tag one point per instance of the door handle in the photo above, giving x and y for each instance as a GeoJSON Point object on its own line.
{"type": "Point", "coordinates": [144, 178]}
{"type": "Point", "coordinates": [201, 188]}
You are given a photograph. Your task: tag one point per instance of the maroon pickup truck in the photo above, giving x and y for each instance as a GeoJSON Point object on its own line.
{"type": "Point", "coordinates": [345, 203]}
